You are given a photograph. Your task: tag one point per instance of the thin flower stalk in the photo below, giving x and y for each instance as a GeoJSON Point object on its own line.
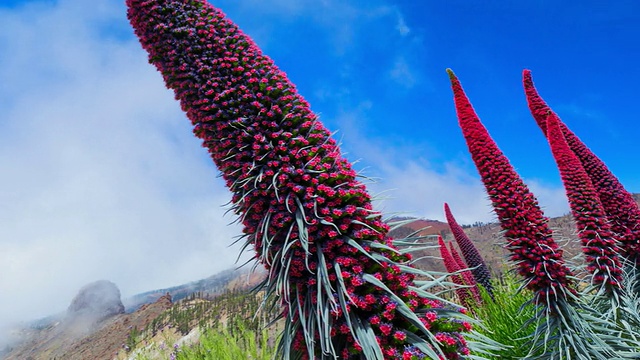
{"type": "Point", "coordinates": [345, 290]}
{"type": "Point", "coordinates": [598, 244]}
{"type": "Point", "coordinates": [470, 253]}
{"type": "Point", "coordinates": [529, 239]}
{"type": "Point", "coordinates": [453, 267]}
{"type": "Point", "coordinates": [467, 276]}
{"type": "Point", "coordinates": [619, 205]}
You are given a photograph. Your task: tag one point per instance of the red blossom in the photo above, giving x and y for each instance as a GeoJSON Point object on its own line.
{"type": "Point", "coordinates": [529, 239]}
{"type": "Point", "coordinates": [399, 335]}
{"type": "Point", "coordinates": [302, 208]}
{"type": "Point", "coordinates": [470, 253]}
{"type": "Point", "coordinates": [467, 276]}
{"type": "Point", "coordinates": [594, 231]}
{"type": "Point", "coordinates": [618, 204]}
{"type": "Point", "coordinates": [466, 297]}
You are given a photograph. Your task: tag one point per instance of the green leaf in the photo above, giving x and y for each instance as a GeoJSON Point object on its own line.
{"type": "Point", "coordinates": [355, 244]}
{"type": "Point", "coordinates": [367, 339]}
{"type": "Point", "coordinates": [403, 309]}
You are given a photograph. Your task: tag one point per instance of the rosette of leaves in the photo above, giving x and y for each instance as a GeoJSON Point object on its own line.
{"type": "Point", "coordinates": [470, 253]}
{"type": "Point", "coordinates": [619, 205]}
{"type": "Point", "coordinates": [562, 332]}
{"type": "Point", "coordinates": [346, 291]}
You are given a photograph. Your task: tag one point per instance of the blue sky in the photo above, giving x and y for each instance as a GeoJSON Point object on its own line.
{"type": "Point", "coordinates": [103, 179]}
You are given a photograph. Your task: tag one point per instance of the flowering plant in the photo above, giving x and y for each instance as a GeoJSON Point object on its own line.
{"type": "Point", "coordinates": [594, 231]}
{"type": "Point", "coordinates": [345, 289]}
{"type": "Point", "coordinates": [470, 253]}
{"type": "Point", "coordinates": [563, 329]}
{"type": "Point", "coordinates": [466, 290]}
{"type": "Point", "coordinates": [529, 240]}
{"type": "Point", "coordinates": [621, 209]}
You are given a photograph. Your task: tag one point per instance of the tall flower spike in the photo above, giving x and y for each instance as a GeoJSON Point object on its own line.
{"type": "Point", "coordinates": [467, 276]}
{"type": "Point", "coordinates": [598, 244]}
{"type": "Point", "coordinates": [533, 250]}
{"type": "Point", "coordinates": [336, 274]}
{"type": "Point", "coordinates": [471, 254]}
{"type": "Point", "coordinates": [452, 266]}
{"type": "Point", "coordinates": [619, 205]}
{"type": "Point", "coordinates": [562, 332]}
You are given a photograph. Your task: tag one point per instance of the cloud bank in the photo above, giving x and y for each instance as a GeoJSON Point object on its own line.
{"type": "Point", "coordinates": [102, 178]}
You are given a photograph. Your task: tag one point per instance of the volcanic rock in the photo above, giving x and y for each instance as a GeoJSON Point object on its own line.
{"type": "Point", "coordinates": [96, 302]}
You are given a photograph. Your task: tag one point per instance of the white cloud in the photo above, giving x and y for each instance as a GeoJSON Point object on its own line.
{"type": "Point", "coordinates": [102, 178]}
{"type": "Point", "coordinates": [421, 190]}
{"type": "Point", "coordinates": [401, 25]}
{"type": "Point", "coordinates": [552, 199]}
{"type": "Point", "coordinates": [345, 24]}
{"type": "Point", "coordinates": [410, 185]}
{"type": "Point", "coordinates": [402, 74]}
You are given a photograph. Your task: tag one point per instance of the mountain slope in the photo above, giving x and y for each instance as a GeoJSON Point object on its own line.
{"type": "Point", "coordinates": [73, 337]}
{"type": "Point", "coordinates": [487, 237]}
{"type": "Point", "coordinates": [156, 328]}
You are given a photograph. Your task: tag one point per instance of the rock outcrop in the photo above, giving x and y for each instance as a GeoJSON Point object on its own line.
{"type": "Point", "coordinates": [102, 341]}
{"type": "Point", "coordinates": [95, 302]}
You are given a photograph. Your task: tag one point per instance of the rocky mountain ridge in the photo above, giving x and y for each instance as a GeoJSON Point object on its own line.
{"type": "Point", "coordinates": [96, 325]}
{"type": "Point", "coordinates": [109, 333]}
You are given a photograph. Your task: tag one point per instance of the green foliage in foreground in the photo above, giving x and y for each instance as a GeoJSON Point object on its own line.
{"type": "Point", "coordinates": [230, 326]}
{"type": "Point", "coordinates": [506, 319]}
{"type": "Point", "coordinates": [222, 344]}
{"type": "Point", "coordinates": [219, 343]}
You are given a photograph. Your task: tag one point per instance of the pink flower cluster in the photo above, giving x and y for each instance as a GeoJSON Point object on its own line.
{"type": "Point", "coordinates": [594, 231]}
{"type": "Point", "coordinates": [309, 220]}
{"type": "Point", "coordinates": [471, 254]}
{"type": "Point", "coordinates": [621, 209]}
{"type": "Point", "coordinates": [468, 291]}
{"type": "Point", "coordinates": [529, 239]}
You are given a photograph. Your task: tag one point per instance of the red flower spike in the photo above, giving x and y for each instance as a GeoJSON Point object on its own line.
{"type": "Point", "coordinates": [471, 254]}
{"type": "Point", "coordinates": [449, 262]}
{"type": "Point", "coordinates": [304, 212]}
{"type": "Point", "coordinates": [467, 276]}
{"type": "Point", "coordinates": [457, 258]}
{"type": "Point", "coordinates": [529, 240]}
{"type": "Point", "coordinates": [619, 205]}
{"type": "Point", "coordinates": [598, 244]}
{"type": "Point", "coordinates": [452, 267]}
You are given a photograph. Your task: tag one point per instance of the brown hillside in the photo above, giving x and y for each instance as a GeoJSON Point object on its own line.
{"type": "Point", "coordinates": [107, 339]}
{"type": "Point", "coordinates": [489, 241]}
{"type": "Point", "coordinates": [63, 341]}
{"type": "Point", "coordinates": [73, 338]}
